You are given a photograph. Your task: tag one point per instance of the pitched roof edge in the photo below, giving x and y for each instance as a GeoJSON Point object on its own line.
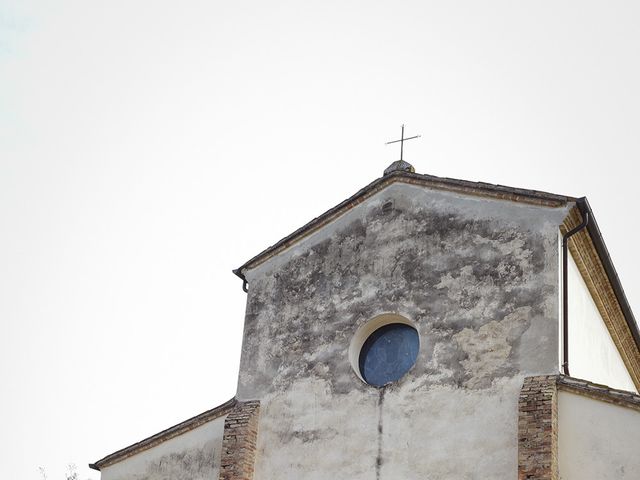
{"type": "Point", "coordinates": [501, 192]}
{"type": "Point", "coordinates": [164, 435]}
{"type": "Point", "coordinates": [599, 392]}
{"type": "Point", "coordinates": [610, 269]}
{"type": "Point", "coordinates": [462, 186]}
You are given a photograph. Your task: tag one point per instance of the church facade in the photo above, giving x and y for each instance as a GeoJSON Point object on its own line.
{"type": "Point", "coordinates": [425, 328]}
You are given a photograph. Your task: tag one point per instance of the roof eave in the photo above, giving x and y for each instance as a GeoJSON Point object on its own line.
{"type": "Point", "coordinates": [612, 274]}
{"type": "Point", "coordinates": [439, 183]}
{"type": "Point", "coordinates": [164, 435]}
{"type": "Point", "coordinates": [463, 186]}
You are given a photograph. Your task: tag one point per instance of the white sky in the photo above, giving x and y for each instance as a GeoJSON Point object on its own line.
{"type": "Point", "coordinates": [147, 148]}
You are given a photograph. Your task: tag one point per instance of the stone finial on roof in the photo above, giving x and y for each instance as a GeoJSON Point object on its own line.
{"type": "Point", "coordinates": [399, 166]}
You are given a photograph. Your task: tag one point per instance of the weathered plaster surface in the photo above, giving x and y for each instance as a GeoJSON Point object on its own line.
{"type": "Point", "coordinates": [592, 353]}
{"type": "Point", "coordinates": [194, 455]}
{"type": "Point", "coordinates": [479, 280]}
{"type": "Point", "coordinates": [597, 439]}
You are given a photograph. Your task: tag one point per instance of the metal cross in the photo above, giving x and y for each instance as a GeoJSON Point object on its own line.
{"type": "Point", "coordinates": [402, 140]}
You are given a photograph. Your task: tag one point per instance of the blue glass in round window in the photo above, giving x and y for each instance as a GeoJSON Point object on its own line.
{"type": "Point", "coordinates": [388, 353]}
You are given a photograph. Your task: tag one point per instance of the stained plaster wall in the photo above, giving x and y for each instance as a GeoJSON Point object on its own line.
{"type": "Point", "coordinates": [479, 280]}
{"type": "Point", "coordinates": [592, 353]}
{"type": "Point", "coordinates": [194, 455]}
{"type": "Point", "coordinates": [597, 439]}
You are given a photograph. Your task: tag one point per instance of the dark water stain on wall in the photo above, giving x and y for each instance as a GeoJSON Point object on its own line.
{"type": "Point", "coordinates": [463, 280]}
{"type": "Point", "coordinates": [193, 464]}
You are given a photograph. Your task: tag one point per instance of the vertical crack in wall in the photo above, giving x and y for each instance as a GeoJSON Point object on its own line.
{"type": "Point", "coordinates": [379, 457]}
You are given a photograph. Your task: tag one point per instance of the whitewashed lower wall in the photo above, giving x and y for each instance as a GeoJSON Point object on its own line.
{"type": "Point", "coordinates": [411, 433]}
{"type": "Point", "coordinates": [597, 440]}
{"type": "Point", "coordinates": [194, 455]}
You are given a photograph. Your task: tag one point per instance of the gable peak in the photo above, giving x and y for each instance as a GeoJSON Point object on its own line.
{"type": "Point", "coordinates": [399, 166]}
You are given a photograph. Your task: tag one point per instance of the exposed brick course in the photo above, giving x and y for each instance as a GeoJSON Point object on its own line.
{"type": "Point", "coordinates": [239, 442]}
{"type": "Point", "coordinates": [538, 429]}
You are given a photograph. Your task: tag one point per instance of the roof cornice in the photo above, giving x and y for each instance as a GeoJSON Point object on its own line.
{"type": "Point", "coordinates": [165, 435]}
{"type": "Point", "coordinates": [596, 391]}
{"type": "Point", "coordinates": [599, 274]}
{"type": "Point", "coordinates": [500, 192]}
{"type": "Point", "coordinates": [482, 189]}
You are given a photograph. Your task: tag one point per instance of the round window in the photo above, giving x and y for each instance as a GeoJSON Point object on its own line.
{"type": "Point", "coordinates": [388, 353]}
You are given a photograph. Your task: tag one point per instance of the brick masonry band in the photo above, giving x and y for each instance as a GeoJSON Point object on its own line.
{"type": "Point", "coordinates": [239, 442]}
{"type": "Point", "coordinates": [538, 420]}
{"type": "Point", "coordinates": [538, 429]}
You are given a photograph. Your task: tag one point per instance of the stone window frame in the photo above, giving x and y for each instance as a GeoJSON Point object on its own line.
{"type": "Point", "coordinates": [364, 331]}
